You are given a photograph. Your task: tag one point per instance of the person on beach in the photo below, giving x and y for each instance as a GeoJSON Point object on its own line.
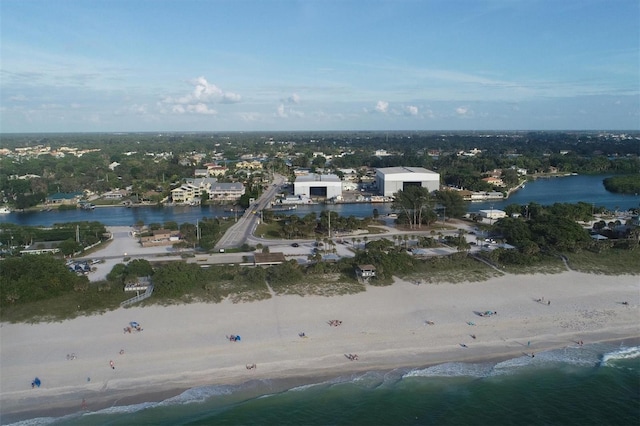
{"type": "Point", "coordinates": [112, 364]}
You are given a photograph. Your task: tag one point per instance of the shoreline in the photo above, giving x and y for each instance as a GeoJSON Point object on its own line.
{"type": "Point", "coordinates": [184, 346]}
{"type": "Point", "coordinates": [129, 397]}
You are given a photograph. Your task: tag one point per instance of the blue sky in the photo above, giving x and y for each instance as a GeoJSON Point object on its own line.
{"type": "Point", "coordinates": [163, 65]}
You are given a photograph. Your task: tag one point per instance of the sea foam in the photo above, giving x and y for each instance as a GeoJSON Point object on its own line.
{"type": "Point", "coordinates": [621, 353]}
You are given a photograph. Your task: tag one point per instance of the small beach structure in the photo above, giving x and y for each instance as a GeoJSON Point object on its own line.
{"type": "Point", "coordinates": [365, 272]}
{"type": "Point", "coordinates": [268, 259]}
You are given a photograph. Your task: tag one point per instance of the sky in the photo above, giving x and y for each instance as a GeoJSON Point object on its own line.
{"type": "Point", "coordinates": [280, 65]}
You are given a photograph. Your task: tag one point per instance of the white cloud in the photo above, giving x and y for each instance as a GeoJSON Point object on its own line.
{"type": "Point", "coordinates": [463, 111]}
{"type": "Point", "coordinates": [200, 99]}
{"type": "Point", "coordinates": [382, 106]}
{"type": "Point", "coordinates": [201, 109]}
{"type": "Point", "coordinates": [411, 110]}
{"type": "Point", "coordinates": [294, 99]}
{"type": "Point", "coordinates": [283, 112]}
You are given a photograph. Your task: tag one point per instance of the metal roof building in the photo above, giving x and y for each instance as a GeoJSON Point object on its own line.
{"type": "Point", "coordinates": [393, 179]}
{"type": "Point", "coordinates": [318, 186]}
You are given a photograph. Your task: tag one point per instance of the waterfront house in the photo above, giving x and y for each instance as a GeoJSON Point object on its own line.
{"type": "Point", "coordinates": [66, 198]}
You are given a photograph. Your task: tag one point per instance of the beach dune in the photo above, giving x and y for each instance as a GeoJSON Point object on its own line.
{"type": "Point", "coordinates": [405, 324]}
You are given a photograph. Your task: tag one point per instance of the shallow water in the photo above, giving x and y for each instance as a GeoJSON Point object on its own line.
{"type": "Point", "coordinates": [596, 384]}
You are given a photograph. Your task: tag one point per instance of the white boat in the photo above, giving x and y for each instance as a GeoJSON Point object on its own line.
{"type": "Point", "coordinates": [5, 210]}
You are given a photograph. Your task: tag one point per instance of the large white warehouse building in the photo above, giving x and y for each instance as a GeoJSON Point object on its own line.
{"type": "Point", "coordinates": [318, 186]}
{"type": "Point", "coordinates": [393, 179]}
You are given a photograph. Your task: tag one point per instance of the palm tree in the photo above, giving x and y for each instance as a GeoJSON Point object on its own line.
{"type": "Point", "coordinates": [365, 238]}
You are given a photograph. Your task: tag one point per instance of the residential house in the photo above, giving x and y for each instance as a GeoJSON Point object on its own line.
{"type": "Point", "coordinates": [249, 165]}
{"type": "Point", "coordinates": [160, 237]}
{"type": "Point", "coordinates": [116, 194]}
{"type": "Point", "coordinates": [67, 198]}
{"type": "Point", "coordinates": [495, 181]}
{"type": "Point", "coordinates": [216, 170]}
{"type": "Point", "coordinates": [42, 247]}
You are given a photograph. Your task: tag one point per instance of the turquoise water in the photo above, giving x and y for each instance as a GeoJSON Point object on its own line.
{"type": "Point", "coordinates": [595, 384]}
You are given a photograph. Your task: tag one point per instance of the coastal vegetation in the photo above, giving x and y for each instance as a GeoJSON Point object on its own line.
{"type": "Point", "coordinates": [625, 184]}
{"type": "Point", "coordinates": [543, 238]}
{"type": "Point", "coordinates": [51, 292]}
{"type": "Point", "coordinates": [37, 166]}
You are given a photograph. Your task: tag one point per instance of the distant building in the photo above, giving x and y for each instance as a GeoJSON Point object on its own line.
{"type": "Point", "coordinates": [495, 181]}
{"type": "Point", "coordinates": [42, 247]}
{"type": "Point", "coordinates": [67, 198]}
{"type": "Point", "coordinates": [160, 237]}
{"type": "Point", "coordinates": [318, 186]}
{"type": "Point", "coordinates": [117, 194]}
{"type": "Point", "coordinates": [216, 170]}
{"type": "Point", "coordinates": [249, 165]}
{"type": "Point", "coordinates": [492, 214]}
{"type": "Point", "coordinates": [393, 179]}
{"type": "Point", "coordinates": [191, 191]}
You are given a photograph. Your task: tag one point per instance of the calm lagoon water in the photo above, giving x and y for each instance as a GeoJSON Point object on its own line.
{"type": "Point", "coordinates": [569, 189]}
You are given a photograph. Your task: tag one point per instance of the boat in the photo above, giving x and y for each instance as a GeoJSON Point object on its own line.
{"type": "Point", "coordinates": [5, 210]}
{"type": "Point", "coordinates": [281, 208]}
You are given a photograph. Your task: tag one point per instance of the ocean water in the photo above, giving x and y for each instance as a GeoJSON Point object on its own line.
{"type": "Point", "coordinates": [596, 384]}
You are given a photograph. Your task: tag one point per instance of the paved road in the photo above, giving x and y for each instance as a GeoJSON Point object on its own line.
{"type": "Point", "coordinates": [241, 230]}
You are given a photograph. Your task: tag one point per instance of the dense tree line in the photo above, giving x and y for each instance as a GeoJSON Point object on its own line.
{"type": "Point", "coordinates": [626, 184]}
{"type": "Point", "coordinates": [145, 173]}
{"type": "Point", "coordinates": [546, 228]}
{"type": "Point", "coordinates": [88, 234]}
{"type": "Point", "coordinates": [33, 278]}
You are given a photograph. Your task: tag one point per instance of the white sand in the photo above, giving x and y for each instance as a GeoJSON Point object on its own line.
{"type": "Point", "coordinates": [185, 346]}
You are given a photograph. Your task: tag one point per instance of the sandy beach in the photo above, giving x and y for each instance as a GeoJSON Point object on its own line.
{"type": "Point", "coordinates": [184, 346]}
